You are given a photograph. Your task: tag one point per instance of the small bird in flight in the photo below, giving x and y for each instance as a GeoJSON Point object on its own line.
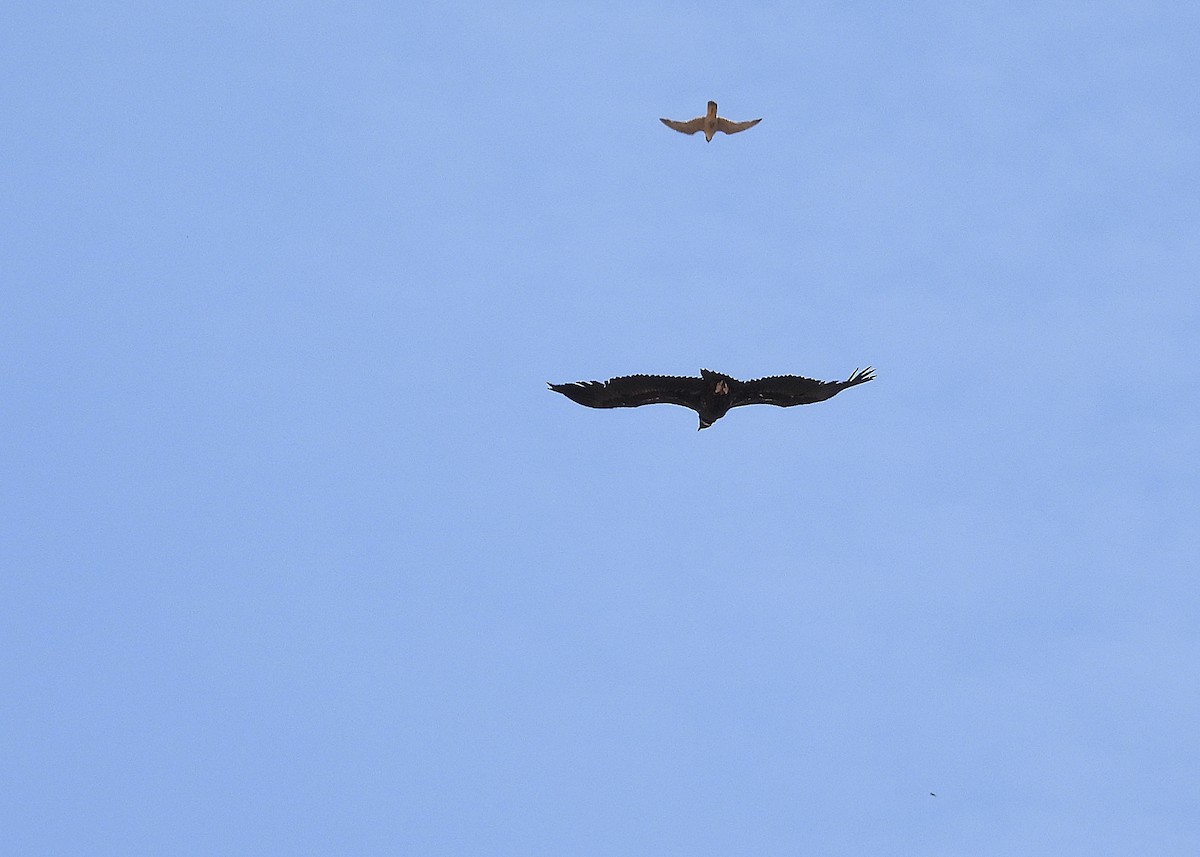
{"type": "Point", "coordinates": [710, 124]}
{"type": "Point", "coordinates": [711, 395]}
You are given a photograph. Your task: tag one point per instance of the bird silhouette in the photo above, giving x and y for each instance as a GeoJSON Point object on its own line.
{"type": "Point", "coordinates": [711, 395]}
{"type": "Point", "coordinates": [710, 123]}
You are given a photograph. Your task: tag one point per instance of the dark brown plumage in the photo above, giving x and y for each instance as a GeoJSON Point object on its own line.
{"type": "Point", "coordinates": [711, 395]}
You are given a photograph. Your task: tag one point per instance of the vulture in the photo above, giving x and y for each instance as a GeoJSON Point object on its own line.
{"type": "Point", "coordinates": [711, 395]}
{"type": "Point", "coordinates": [710, 123]}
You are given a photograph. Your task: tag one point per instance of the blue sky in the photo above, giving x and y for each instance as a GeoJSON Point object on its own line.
{"type": "Point", "coordinates": [301, 557]}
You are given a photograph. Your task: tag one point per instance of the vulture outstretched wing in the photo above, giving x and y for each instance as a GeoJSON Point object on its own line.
{"type": "Point", "coordinates": [788, 390]}
{"type": "Point", "coordinates": [689, 127]}
{"type": "Point", "coordinates": [633, 391]}
{"type": "Point", "coordinates": [729, 127]}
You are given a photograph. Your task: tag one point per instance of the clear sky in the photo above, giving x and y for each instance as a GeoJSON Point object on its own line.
{"type": "Point", "coordinates": [298, 555]}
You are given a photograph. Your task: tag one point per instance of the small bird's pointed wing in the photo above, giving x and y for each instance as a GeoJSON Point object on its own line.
{"type": "Point", "coordinates": [788, 390]}
{"type": "Point", "coordinates": [728, 127]}
{"type": "Point", "coordinates": [689, 127]}
{"type": "Point", "coordinates": [633, 391]}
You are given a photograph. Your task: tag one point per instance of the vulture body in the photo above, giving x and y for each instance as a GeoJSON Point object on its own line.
{"type": "Point", "coordinates": [711, 395]}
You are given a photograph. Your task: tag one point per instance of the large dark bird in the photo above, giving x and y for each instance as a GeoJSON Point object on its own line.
{"type": "Point", "coordinates": [711, 395]}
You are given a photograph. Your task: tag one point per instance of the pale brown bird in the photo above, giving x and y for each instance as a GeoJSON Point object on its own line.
{"type": "Point", "coordinates": [710, 123]}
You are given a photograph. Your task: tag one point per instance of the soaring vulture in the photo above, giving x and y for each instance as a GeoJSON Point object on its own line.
{"type": "Point", "coordinates": [711, 395]}
{"type": "Point", "coordinates": [710, 123]}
